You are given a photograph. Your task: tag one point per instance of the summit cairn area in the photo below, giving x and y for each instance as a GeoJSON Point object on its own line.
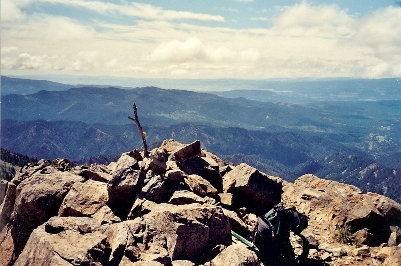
{"type": "Point", "coordinates": [178, 207]}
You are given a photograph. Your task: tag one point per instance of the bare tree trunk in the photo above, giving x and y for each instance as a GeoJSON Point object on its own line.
{"type": "Point", "coordinates": [141, 132]}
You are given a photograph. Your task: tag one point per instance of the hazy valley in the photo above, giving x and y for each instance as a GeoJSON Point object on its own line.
{"type": "Point", "coordinates": [356, 140]}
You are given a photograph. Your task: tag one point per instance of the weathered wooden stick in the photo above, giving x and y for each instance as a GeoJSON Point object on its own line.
{"type": "Point", "coordinates": [141, 132]}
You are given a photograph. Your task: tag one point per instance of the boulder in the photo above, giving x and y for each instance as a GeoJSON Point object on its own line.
{"type": "Point", "coordinates": [159, 189]}
{"type": "Point", "coordinates": [170, 146]}
{"type": "Point", "coordinates": [38, 197]}
{"type": "Point", "coordinates": [95, 172]}
{"type": "Point", "coordinates": [205, 167]}
{"type": "Point", "coordinates": [210, 157]}
{"type": "Point", "coordinates": [182, 263]}
{"type": "Point", "coordinates": [156, 161]}
{"type": "Point", "coordinates": [226, 199]}
{"type": "Point", "coordinates": [389, 255]}
{"type": "Point", "coordinates": [62, 164]}
{"type": "Point", "coordinates": [105, 216]}
{"type": "Point", "coordinates": [330, 204]}
{"type": "Point", "coordinates": [7, 246]}
{"type": "Point", "coordinates": [200, 186]}
{"type": "Point", "coordinates": [363, 236]}
{"type": "Point", "coordinates": [236, 255]}
{"type": "Point", "coordinates": [3, 189]}
{"type": "Point", "coordinates": [187, 152]}
{"type": "Point", "coordinates": [123, 188]}
{"type": "Point", "coordinates": [84, 199]}
{"type": "Point", "coordinates": [65, 241]}
{"type": "Point", "coordinates": [361, 251]}
{"type": "Point", "coordinates": [237, 224]}
{"type": "Point", "coordinates": [7, 206]}
{"type": "Point", "coordinates": [180, 197]}
{"type": "Point", "coordinates": [175, 175]}
{"type": "Point", "coordinates": [185, 231]}
{"type": "Point", "coordinates": [252, 189]}
{"type": "Point", "coordinates": [126, 161]}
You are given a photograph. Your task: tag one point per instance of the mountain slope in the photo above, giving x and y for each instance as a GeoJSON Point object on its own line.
{"type": "Point", "coordinates": [28, 86]}
{"type": "Point", "coordinates": [287, 154]}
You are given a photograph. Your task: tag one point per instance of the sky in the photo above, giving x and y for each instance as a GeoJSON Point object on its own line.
{"type": "Point", "coordinates": [209, 39]}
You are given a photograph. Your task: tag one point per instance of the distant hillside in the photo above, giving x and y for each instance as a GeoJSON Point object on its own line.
{"type": "Point", "coordinates": [285, 154]}
{"type": "Point", "coordinates": [359, 171]}
{"type": "Point", "coordinates": [29, 86]}
{"type": "Point", "coordinates": [11, 162]}
{"type": "Point", "coordinates": [308, 91]}
{"type": "Point", "coordinates": [372, 126]}
{"type": "Point", "coordinates": [16, 158]}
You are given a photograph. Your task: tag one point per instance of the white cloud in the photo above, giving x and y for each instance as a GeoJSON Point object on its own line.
{"type": "Point", "coordinates": [10, 11]}
{"type": "Point", "coordinates": [304, 40]}
{"type": "Point", "coordinates": [189, 50]}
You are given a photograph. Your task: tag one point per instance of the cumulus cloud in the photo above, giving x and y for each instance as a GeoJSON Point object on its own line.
{"type": "Point", "coordinates": [10, 11]}
{"type": "Point", "coordinates": [189, 50]}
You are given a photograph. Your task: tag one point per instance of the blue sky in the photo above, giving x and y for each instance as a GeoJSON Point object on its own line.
{"type": "Point", "coordinates": [249, 39]}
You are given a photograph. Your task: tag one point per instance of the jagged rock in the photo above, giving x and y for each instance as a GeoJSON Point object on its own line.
{"type": "Point", "coordinates": [236, 223]}
{"type": "Point", "coordinates": [363, 236]}
{"type": "Point", "coordinates": [182, 263]}
{"type": "Point", "coordinates": [7, 246]}
{"type": "Point", "coordinates": [217, 161]}
{"type": "Point", "coordinates": [175, 175]}
{"type": "Point", "coordinates": [126, 161]}
{"type": "Point", "coordinates": [171, 165]}
{"type": "Point", "coordinates": [124, 186]}
{"type": "Point", "coordinates": [95, 172]}
{"type": "Point", "coordinates": [249, 186]}
{"type": "Point", "coordinates": [117, 237]}
{"type": "Point", "coordinates": [159, 189]}
{"type": "Point", "coordinates": [188, 231]}
{"type": "Point", "coordinates": [157, 161]}
{"type": "Point", "coordinates": [136, 155]}
{"type": "Point", "coordinates": [84, 199]}
{"type": "Point", "coordinates": [105, 215]}
{"type": "Point", "coordinates": [7, 206]}
{"type": "Point", "coordinates": [141, 207]}
{"type": "Point", "coordinates": [3, 189]}
{"type": "Point", "coordinates": [200, 186]}
{"type": "Point", "coordinates": [331, 204]}
{"type": "Point", "coordinates": [205, 167]}
{"type": "Point", "coordinates": [171, 218]}
{"type": "Point", "coordinates": [362, 251]}
{"type": "Point", "coordinates": [69, 246]}
{"type": "Point", "coordinates": [62, 164]}
{"type": "Point", "coordinates": [226, 199]}
{"type": "Point", "coordinates": [181, 197]}
{"type": "Point", "coordinates": [187, 152]}
{"type": "Point", "coordinates": [395, 236]}
{"type": "Point", "coordinates": [37, 198]}
{"type": "Point", "coordinates": [389, 255]}
{"type": "Point", "coordinates": [236, 255]}
{"type": "Point", "coordinates": [392, 240]}
{"type": "Point", "coordinates": [170, 145]}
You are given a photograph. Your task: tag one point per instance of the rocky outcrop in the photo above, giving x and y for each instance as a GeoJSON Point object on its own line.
{"type": "Point", "coordinates": [248, 186]}
{"type": "Point", "coordinates": [178, 207]}
{"type": "Point", "coordinates": [338, 210]}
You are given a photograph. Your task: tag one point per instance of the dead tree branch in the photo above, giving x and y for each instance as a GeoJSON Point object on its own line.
{"type": "Point", "coordinates": [141, 132]}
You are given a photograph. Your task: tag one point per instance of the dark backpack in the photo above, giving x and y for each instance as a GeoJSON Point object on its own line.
{"type": "Point", "coordinates": [279, 222]}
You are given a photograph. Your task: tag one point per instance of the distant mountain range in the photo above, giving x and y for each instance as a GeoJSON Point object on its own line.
{"type": "Point", "coordinates": [28, 86]}
{"type": "Point", "coordinates": [308, 91]}
{"type": "Point", "coordinates": [352, 141]}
